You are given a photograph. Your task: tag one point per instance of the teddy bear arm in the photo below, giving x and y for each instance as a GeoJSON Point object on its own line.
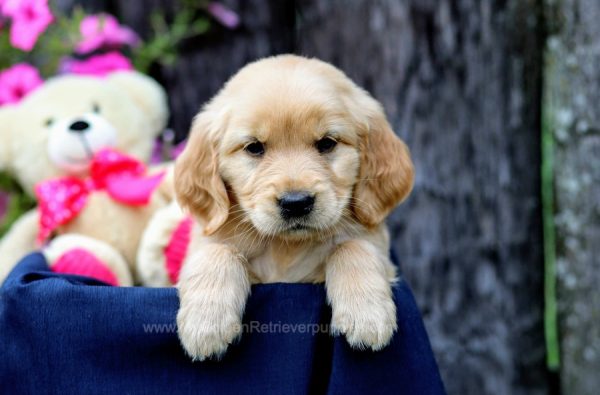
{"type": "Point", "coordinates": [18, 242]}
{"type": "Point", "coordinates": [163, 247]}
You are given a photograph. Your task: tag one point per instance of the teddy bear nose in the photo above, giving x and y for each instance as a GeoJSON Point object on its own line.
{"type": "Point", "coordinates": [79, 126]}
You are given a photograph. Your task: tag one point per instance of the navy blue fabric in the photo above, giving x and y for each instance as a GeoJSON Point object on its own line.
{"type": "Point", "coordinates": [73, 335]}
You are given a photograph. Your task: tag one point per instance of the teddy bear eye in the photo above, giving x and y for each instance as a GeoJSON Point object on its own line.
{"type": "Point", "coordinates": [48, 122]}
{"type": "Point", "coordinates": [96, 108]}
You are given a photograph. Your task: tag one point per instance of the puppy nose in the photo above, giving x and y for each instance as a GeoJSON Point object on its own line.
{"type": "Point", "coordinates": [79, 126]}
{"type": "Point", "coordinates": [296, 204]}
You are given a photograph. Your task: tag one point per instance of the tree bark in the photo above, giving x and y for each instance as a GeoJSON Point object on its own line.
{"type": "Point", "coordinates": [573, 96]}
{"type": "Point", "coordinates": [461, 84]}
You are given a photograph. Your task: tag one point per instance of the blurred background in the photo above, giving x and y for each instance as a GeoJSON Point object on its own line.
{"type": "Point", "coordinates": [498, 101]}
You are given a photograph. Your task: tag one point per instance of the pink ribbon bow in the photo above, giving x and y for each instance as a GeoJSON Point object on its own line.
{"type": "Point", "coordinates": [122, 177]}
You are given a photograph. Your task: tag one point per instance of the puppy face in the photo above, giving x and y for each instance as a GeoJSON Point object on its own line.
{"type": "Point", "coordinates": [297, 148]}
{"type": "Point", "coordinates": [291, 158]}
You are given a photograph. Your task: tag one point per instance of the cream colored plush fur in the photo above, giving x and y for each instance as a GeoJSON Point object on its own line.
{"type": "Point", "coordinates": [151, 260]}
{"type": "Point", "coordinates": [103, 251]}
{"type": "Point", "coordinates": [126, 110]}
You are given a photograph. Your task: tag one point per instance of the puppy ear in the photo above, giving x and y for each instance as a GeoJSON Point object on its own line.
{"type": "Point", "coordinates": [386, 170]}
{"type": "Point", "coordinates": [147, 94]}
{"type": "Point", "coordinates": [198, 184]}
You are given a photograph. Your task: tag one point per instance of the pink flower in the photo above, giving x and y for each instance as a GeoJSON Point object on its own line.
{"type": "Point", "coordinates": [98, 65]}
{"type": "Point", "coordinates": [103, 30]}
{"type": "Point", "coordinates": [29, 19]}
{"type": "Point", "coordinates": [17, 81]}
{"type": "Point", "coordinates": [224, 15]}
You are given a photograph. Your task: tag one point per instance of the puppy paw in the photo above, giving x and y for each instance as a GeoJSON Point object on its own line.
{"type": "Point", "coordinates": [213, 289]}
{"type": "Point", "coordinates": [366, 325]}
{"type": "Point", "coordinates": [206, 329]}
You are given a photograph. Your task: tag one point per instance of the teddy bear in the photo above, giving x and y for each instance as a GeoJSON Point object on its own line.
{"type": "Point", "coordinates": [79, 142]}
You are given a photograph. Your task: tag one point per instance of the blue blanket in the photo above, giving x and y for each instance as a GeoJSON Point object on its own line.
{"type": "Point", "coordinates": [73, 335]}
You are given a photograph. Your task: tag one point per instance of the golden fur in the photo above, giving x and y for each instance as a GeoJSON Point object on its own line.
{"type": "Point", "coordinates": [288, 103]}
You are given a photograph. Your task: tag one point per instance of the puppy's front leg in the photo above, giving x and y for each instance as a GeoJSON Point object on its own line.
{"type": "Point", "coordinates": [213, 288]}
{"type": "Point", "coordinates": [358, 280]}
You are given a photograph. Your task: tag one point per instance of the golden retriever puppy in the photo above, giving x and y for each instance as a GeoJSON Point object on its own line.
{"type": "Point", "coordinates": [290, 171]}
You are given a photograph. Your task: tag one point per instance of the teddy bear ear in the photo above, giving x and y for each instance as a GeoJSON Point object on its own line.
{"type": "Point", "coordinates": [147, 93]}
{"type": "Point", "coordinates": [6, 120]}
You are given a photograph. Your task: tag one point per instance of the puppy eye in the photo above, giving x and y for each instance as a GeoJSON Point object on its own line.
{"type": "Point", "coordinates": [255, 148]}
{"type": "Point", "coordinates": [96, 108]}
{"type": "Point", "coordinates": [325, 145]}
{"type": "Point", "coordinates": [48, 122]}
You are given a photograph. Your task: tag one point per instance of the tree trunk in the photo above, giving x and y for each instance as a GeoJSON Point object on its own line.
{"type": "Point", "coordinates": [573, 97]}
{"type": "Point", "coordinates": [461, 84]}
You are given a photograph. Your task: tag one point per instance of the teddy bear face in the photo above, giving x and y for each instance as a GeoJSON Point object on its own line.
{"type": "Point", "coordinates": [73, 140]}
{"type": "Point", "coordinates": [57, 129]}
